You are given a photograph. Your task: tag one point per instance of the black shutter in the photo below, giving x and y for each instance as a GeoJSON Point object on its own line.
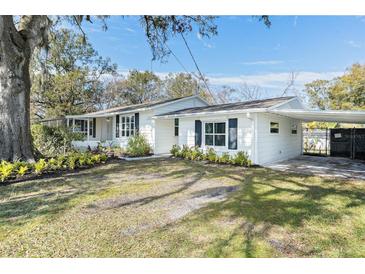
{"type": "Point", "coordinates": [136, 122]}
{"type": "Point", "coordinates": [198, 133]}
{"type": "Point", "coordinates": [94, 127]}
{"type": "Point", "coordinates": [232, 133]}
{"type": "Point", "coordinates": [82, 125]}
{"type": "Point", "coordinates": [117, 126]}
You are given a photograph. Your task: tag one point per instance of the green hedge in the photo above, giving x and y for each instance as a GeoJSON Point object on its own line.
{"type": "Point", "coordinates": [196, 154]}
{"type": "Point", "coordinates": [11, 171]}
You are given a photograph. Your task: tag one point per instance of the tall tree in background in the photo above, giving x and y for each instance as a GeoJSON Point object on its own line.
{"type": "Point", "coordinates": [183, 84]}
{"type": "Point", "coordinates": [21, 35]}
{"type": "Point", "coordinates": [69, 79]}
{"type": "Point", "coordinates": [137, 88]}
{"type": "Point", "coordinates": [346, 92]}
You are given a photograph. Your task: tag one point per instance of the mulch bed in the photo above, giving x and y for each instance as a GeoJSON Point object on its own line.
{"type": "Point", "coordinates": [55, 173]}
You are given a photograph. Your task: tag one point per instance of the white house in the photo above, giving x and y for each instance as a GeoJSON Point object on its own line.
{"type": "Point", "coordinates": [268, 130]}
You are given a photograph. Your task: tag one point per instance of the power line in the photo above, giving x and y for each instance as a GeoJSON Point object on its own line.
{"type": "Point", "coordinates": [197, 67]}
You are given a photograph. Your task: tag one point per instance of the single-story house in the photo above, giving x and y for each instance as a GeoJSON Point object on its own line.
{"type": "Point", "coordinates": [269, 130]}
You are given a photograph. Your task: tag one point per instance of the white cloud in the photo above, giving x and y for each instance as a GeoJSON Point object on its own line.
{"type": "Point", "coordinates": [272, 81]}
{"type": "Point", "coordinates": [353, 44]}
{"type": "Point", "coordinates": [262, 62]}
{"type": "Point", "coordinates": [295, 21]}
{"type": "Point", "coordinates": [130, 30]}
{"type": "Point", "coordinates": [199, 36]}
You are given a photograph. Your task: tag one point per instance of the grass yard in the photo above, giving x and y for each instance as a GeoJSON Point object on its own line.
{"type": "Point", "coordinates": [175, 208]}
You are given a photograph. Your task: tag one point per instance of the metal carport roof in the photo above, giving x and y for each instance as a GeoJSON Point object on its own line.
{"type": "Point", "coordinates": [341, 116]}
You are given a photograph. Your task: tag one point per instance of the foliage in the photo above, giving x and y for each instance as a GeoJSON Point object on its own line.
{"type": "Point", "coordinates": [211, 155]}
{"type": "Point", "coordinates": [183, 84]}
{"type": "Point", "coordinates": [6, 169]}
{"type": "Point", "coordinates": [241, 158]}
{"type": "Point", "coordinates": [225, 158]}
{"type": "Point", "coordinates": [71, 161]}
{"type": "Point", "coordinates": [73, 82]}
{"type": "Point", "coordinates": [40, 166]}
{"type": "Point", "coordinates": [138, 146]}
{"type": "Point", "coordinates": [346, 92]}
{"type": "Point", "coordinates": [175, 150]}
{"type": "Point", "coordinates": [50, 141]}
{"type": "Point", "coordinates": [138, 87]}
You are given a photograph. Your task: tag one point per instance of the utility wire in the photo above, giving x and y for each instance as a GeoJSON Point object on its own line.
{"type": "Point", "coordinates": [197, 67]}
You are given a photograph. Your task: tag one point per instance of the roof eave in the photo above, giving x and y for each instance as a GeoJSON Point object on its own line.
{"type": "Point", "coordinates": [210, 113]}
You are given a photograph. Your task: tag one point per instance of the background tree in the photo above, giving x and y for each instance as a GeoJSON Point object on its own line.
{"type": "Point", "coordinates": [344, 92]}
{"type": "Point", "coordinates": [21, 35]}
{"type": "Point", "coordinates": [138, 87]}
{"type": "Point", "coordinates": [69, 79]}
{"type": "Point", "coordinates": [183, 84]}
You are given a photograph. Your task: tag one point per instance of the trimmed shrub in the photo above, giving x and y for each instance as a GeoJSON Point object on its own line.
{"type": "Point", "coordinates": [138, 146]}
{"type": "Point", "coordinates": [6, 170]}
{"type": "Point", "coordinates": [196, 154]}
{"type": "Point", "coordinates": [175, 150]}
{"type": "Point", "coordinates": [40, 166]}
{"type": "Point", "coordinates": [225, 158]}
{"type": "Point", "coordinates": [211, 155]}
{"type": "Point", "coordinates": [241, 158]}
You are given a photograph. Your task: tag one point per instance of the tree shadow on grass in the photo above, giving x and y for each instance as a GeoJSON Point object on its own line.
{"type": "Point", "coordinates": [268, 199]}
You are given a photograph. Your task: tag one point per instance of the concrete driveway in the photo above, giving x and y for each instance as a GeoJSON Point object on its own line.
{"type": "Point", "coordinates": [323, 166]}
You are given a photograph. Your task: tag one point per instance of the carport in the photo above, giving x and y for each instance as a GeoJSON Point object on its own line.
{"type": "Point", "coordinates": [344, 142]}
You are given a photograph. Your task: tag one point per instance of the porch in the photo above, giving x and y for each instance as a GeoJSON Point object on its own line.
{"type": "Point", "coordinates": [95, 129]}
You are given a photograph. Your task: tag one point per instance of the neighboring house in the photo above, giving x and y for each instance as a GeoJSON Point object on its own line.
{"type": "Point", "coordinates": [268, 130]}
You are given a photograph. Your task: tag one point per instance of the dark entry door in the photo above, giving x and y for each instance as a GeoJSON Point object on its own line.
{"type": "Point", "coordinates": [359, 143]}
{"type": "Point", "coordinates": [341, 144]}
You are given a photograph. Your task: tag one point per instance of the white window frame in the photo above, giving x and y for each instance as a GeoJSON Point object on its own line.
{"type": "Point", "coordinates": [274, 133]}
{"type": "Point", "coordinates": [127, 126]}
{"type": "Point", "coordinates": [91, 127]}
{"type": "Point", "coordinates": [213, 134]}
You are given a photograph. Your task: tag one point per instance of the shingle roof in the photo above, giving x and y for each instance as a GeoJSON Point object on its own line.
{"type": "Point", "coordinates": [265, 103]}
{"type": "Point", "coordinates": [135, 107]}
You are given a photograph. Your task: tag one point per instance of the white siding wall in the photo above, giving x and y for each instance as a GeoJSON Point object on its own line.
{"type": "Point", "coordinates": [165, 135]}
{"type": "Point", "coordinates": [273, 147]}
{"type": "Point", "coordinates": [245, 129]}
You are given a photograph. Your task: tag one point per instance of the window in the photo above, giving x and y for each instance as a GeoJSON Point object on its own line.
{"type": "Point", "coordinates": [294, 129]}
{"type": "Point", "coordinates": [176, 126]}
{"type": "Point", "coordinates": [274, 127]}
{"type": "Point", "coordinates": [127, 126]}
{"type": "Point", "coordinates": [80, 126]}
{"type": "Point", "coordinates": [215, 134]}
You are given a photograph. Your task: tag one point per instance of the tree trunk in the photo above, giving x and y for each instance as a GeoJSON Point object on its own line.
{"type": "Point", "coordinates": [15, 53]}
{"type": "Point", "coordinates": [16, 48]}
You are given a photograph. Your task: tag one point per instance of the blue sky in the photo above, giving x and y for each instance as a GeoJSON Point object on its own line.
{"type": "Point", "coordinates": [245, 51]}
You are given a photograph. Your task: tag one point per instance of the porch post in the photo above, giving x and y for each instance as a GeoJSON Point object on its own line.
{"type": "Point", "coordinates": [87, 132]}
{"type": "Point", "coordinates": [73, 124]}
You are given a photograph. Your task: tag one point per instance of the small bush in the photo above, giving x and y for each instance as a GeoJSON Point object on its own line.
{"type": "Point", "coordinates": [175, 150]}
{"type": "Point", "coordinates": [71, 162]}
{"type": "Point", "coordinates": [6, 169]}
{"type": "Point", "coordinates": [40, 166]}
{"type": "Point", "coordinates": [185, 152]}
{"type": "Point", "coordinates": [211, 155]}
{"type": "Point", "coordinates": [224, 158]}
{"type": "Point", "coordinates": [138, 146]}
{"type": "Point", "coordinates": [22, 170]}
{"type": "Point", "coordinates": [241, 158]}
{"type": "Point", "coordinates": [196, 154]}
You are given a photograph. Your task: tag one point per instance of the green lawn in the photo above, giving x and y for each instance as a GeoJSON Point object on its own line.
{"type": "Point", "coordinates": [175, 208]}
